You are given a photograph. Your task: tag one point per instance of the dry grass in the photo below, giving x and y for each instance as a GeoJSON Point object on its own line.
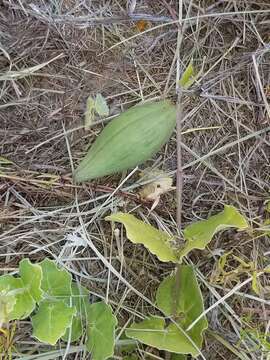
{"type": "Point", "coordinates": [53, 54]}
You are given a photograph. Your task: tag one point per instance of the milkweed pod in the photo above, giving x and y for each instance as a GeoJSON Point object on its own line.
{"type": "Point", "coordinates": [128, 140]}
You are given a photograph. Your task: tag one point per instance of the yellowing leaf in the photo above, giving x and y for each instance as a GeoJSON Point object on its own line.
{"type": "Point", "coordinates": [97, 105]}
{"type": "Point", "coordinates": [7, 303]}
{"type": "Point", "coordinates": [157, 242]}
{"type": "Point", "coordinates": [89, 113]}
{"type": "Point", "coordinates": [256, 286]}
{"type": "Point", "coordinates": [161, 184]}
{"type": "Point", "coordinates": [188, 77]}
{"type": "Point", "coordinates": [200, 233]}
{"type": "Point", "coordinates": [101, 106]}
{"type": "Point", "coordinates": [21, 302]}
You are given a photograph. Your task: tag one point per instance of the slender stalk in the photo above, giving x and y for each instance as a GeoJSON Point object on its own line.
{"type": "Point", "coordinates": [179, 171]}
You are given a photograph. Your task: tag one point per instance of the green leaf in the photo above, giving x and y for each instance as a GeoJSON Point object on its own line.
{"type": "Point", "coordinates": [186, 310]}
{"type": "Point", "coordinates": [22, 304]}
{"type": "Point", "coordinates": [79, 299]}
{"type": "Point", "coordinates": [178, 357]}
{"type": "Point", "coordinates": [154, 332]}
{"type": "Point", "coordinates": [200, 233]}
{"type": "Point", "coordinates": [100, 331]}
{"type": "Point", "coordinates": [188, 77]}
{"type": "Point", "coordinates": [7, 303]}
{"type": "Point", "coordinates": [51, 320]}
{"type": "Point", "coordinates": [101, 106]}
{"type": "Point", "coordinates": [74, 331]}
{"type": "Point", "coordinates": [89, 113]}
{"type": "Point", "coordinates": [156, 241]}
{"type": "Point", "coordinates": [31, 275]}
{"type": "Point", "coordinates": [55, 282]}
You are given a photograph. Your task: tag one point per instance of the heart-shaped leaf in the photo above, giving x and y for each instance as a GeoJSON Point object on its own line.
{"type": "Point", "coordinates": [31, 275]}
{"type": "Point", "coordinates": [200, 233]}
{"type": "Point", "coordinates": [74, 332]}
{"type": "Point", "coordinates": [52, 320]}
{"type": "Point", "coordinates": [79, 300]}
{"type": "Point", "coordinates": [7, 303]}
{"type": "Point", "coordinates": [13, 290]}
{"type": "Point", "coordinates": [100, 331]}
{"type": "Point", "coordinates": [55, 282]}
{"type": "Point", "coordinates": [157, 242]}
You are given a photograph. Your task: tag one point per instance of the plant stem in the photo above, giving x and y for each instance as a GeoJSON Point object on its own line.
{"type": "Point", "coordinates": [179, 171]}
{"type": "Point", "coordinates": [179, 191]}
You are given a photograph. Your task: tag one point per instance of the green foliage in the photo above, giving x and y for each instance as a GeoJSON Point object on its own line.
{"type": "Point", "coordinates": [31, 275]}
{"type": "Point", "coordinates": [7, 303]}
{"type": "Point", "coordinates": [21, 303]}
{"type": "Point", "coordinates": [60, 307]}
{"type": "Point", "coordinates": [178, 357]}
{"type": "Point", "coordinates": [100, 331]}
{"type": "Point", "coordinates": [78, 299]}
{"type": "Point", "coordinates": [55, 282]}
{"type": "Point", "coordinates": [52, 320]}
{"type": "Point", "coordinates": [175, 337]}
{"type": "Point", "coordinates": [75, 330]}
{"type": "Point", "coordinates": [199, 234]}
{"type": "Point", "coordinates": [158, 242]}
{"type": "Point", "coordinates": [154, 332]}
{"type": "Point", "coordinates": [260, 339]}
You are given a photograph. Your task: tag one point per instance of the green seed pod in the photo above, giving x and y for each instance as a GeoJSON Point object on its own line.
{"type": "Point", "coordinates": [128, 140]}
